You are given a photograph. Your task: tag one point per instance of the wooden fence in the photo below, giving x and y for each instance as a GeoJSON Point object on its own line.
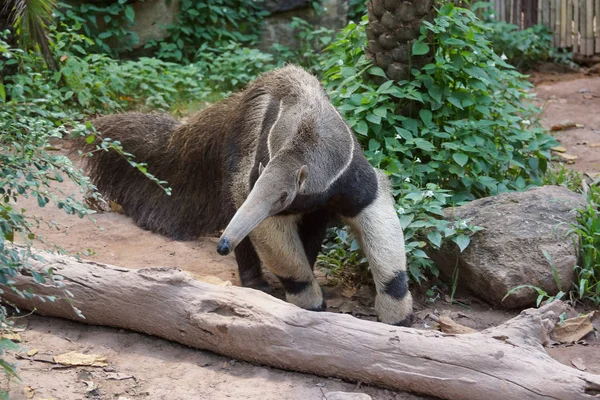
{"type": "Point", "coordinates": [575, 23]}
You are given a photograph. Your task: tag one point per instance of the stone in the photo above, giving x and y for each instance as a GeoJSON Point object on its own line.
{"type": "Point", "coordinates": [519, 226]}
{"type": "Point", "coordinates": [152, 17]}
{"type": "Point", "coordinates": [275, 6]}
{"type": "Point", "coordinates": [347, 396]}
{"type": "Point", "coordinates": [278, 28]}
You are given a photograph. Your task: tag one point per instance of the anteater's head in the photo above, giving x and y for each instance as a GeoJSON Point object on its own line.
{"type": "Point", "coordinates": [277, 186]}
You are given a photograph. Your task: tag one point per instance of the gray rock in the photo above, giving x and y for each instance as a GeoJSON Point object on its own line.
{"type": "Point", "coordinates": [509, 252]}
{"type": "Point", "coordinates": [347, 396]}
{"type": "Point", "coordinates": [277, 28]}
{"type": "Point", "coordinates": [275, 6]}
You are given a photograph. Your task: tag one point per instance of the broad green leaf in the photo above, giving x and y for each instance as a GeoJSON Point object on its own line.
{"type": "Point", "coordinates": [376, 119]}
{"type": "Point", "coordinates": [380, 111]}
{"type": "Point", "coordinates": [460, 158]}
{"type": "Point", "coordinates": [377, 71]}
{"type": "Point", "coordinates": [426, 117]}
{"type": "Point", "coordinates": [420, 48]}
{"type": "Point", "coordinates": [455, 102]}
{"type": "Point", "coordinates": [374, 144]}
{"type": "Point", "coordinates": [2, 92]}
{"type": "Point", "coordinates": [435, 237]}
{"type": "Point", "coordinates": [361, 128]}
{"type": "Point", "coordinates": [462, 241]}
{"type": "Point", "coordinates": [129, 13]}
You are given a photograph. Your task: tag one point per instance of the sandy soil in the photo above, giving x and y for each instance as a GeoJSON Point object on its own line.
{"type": "Point", "coordinates": [154, 368]}
{"type": "Point", "coordinates": [575, 98]}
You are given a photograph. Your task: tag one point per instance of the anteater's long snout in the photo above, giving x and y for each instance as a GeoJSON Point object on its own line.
{"type": "Point", "coordinates": [224, 247]}
{"type": "Point", "coordinates": [252, 212]}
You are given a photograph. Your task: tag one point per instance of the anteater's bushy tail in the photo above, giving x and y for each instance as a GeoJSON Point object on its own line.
{"type": "Point", "coordinates": [186, 214]}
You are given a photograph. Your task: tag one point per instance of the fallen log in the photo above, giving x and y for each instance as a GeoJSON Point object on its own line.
{"type": "Point", "coordinates": [507, 361]}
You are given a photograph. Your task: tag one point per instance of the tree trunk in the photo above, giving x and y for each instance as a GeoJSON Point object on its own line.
{"type": "Point", "coordinates": [393, 27]}
{"type": "Point", "coordinates": [250, 325]}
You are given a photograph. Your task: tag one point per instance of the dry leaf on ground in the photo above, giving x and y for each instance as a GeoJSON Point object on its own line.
{"type": "Point", "coordinates": [569, 158]}
{"type": "Point", "coordinates": [573, 329]}
{"type": "Point", "coordinates": [29, 392]}
{"type": "Point", "coordinates": [74, 358]}
{"type": "Point", "coordinates": [563, 125]}
{"type": "Point", "coordinates": [447, 325]}
{"type": "Point", "coordinates": [15, 337]}
{"type": "Point", "coordinates": [32, 352]}
{"type": "Point", "coordinates": [560, 149]}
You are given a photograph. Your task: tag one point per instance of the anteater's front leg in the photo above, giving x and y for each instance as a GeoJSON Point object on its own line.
{"type": "Point", "coordinates": [280, 248]}
{"type": "Point", "coordinates": [380, 236]}
{"type": "Point", "coordinates": [249, 267]}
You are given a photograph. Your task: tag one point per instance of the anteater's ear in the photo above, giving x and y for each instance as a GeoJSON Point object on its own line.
{"type": "Point", "coordinates": [261, 168]}
{"type": "Point", "coordinates": [301, 176]}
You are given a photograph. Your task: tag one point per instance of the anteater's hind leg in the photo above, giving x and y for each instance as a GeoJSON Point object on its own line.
{"type": "Point", "coordinates": [281, 250]}
{"type": "Point", "coordinates": [380, 236]}
{"type": "Point", "coordinates": [249, 267]}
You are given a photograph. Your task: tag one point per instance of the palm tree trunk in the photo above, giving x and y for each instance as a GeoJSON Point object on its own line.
{"type": "Point", "coordinates": [393, 27]}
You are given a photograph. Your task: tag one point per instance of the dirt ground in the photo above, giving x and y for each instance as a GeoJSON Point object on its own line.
{"type": "Point", "coordinates": [145, 367]}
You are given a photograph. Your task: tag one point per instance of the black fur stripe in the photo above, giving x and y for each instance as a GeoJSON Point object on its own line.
{"type": "Point", "coordinates": [397, 287]}
{"type": "Point", "coordinates": [293, 286]}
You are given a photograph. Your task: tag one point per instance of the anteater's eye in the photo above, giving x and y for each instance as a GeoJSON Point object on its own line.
{"type": "Point", "coordinates": [283, 197]}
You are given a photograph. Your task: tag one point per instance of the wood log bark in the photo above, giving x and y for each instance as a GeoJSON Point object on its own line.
{"type": "Point", "coordinates": [507, 361]}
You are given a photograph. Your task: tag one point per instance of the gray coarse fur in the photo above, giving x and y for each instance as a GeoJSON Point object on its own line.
{"type": "Point", "coordinates": [209, 178]}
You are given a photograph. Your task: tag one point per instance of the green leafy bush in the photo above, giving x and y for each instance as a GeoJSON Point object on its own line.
{"type": "Point", "coordinates": [217, 22]}
{"type": "Point", "coordinates": [231, 66]}
{"type": "Point", "coordinates": [460, 128]}
{"type": "Point", "coordinates": [108, 25]}
{"type": "Point", "coordinates": [526, 48]}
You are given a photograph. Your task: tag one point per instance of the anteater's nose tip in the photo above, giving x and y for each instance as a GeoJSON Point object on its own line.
{"type": "Point", "coordinates": [223, 247]}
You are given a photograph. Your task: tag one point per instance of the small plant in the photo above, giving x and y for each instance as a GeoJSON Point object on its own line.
{"type": "Point", "coordinates": [587, 229]}
{"type": "Point", "coordinates": [542, 295]}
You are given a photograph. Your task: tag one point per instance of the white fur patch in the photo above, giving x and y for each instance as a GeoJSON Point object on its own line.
{"type": "Point", "coordinates": [350, 152]}
{"type": "Point", "coordinates": [379, 232]}
{"type": "Point", "coordinates": [279, 247]}
{"type": "Point", "coordinates": [272, 127]}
